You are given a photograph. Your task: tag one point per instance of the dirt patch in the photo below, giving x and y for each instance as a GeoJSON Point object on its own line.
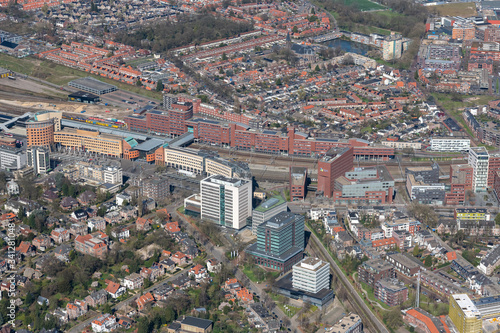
{"type": "Point", "coordinates": [148, 251]}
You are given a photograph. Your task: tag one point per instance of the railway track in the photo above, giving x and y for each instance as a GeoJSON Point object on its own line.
{"type": "Point", "coordinates": [370, 321]}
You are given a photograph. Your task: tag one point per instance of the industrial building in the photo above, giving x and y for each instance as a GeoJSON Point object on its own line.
{"type": "Point", "coordinates": [92, 86]}
{"type": "Point", "coordinates": [84, 97]}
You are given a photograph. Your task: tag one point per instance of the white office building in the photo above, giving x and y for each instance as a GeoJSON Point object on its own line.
{"type": "Point", "coordinates": [11, 158]}
{"type": "Point", "coordinates": [226, 201]}
{"type": "Point", "coordinates": [450, 144]}
{"type": "Point", "coordinates": [39, 159]}
{"type": "Point", "coordinates": [311, 275]}
{"type": "Point", "coordinates": [479, 160]}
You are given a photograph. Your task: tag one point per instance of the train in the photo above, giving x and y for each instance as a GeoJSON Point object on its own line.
{"type": "Point", "coordinates": [113, 123]}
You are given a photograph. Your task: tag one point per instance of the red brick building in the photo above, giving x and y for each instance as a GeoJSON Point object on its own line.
{"type": "Point", "coordinates": [298, 181]}
{"type": "Point", "coordinates": [333, 165]}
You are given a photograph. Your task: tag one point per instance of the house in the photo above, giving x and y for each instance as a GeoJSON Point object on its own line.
{"type": "Point", "coordinates": [68, 203]}
{"type": "Point", "coordinates": [31, 273]}
{"type": "Point", "coordinates": [198, 272]}
{"type": "Point", "coordinates": [144, 300]}
{"type": "Point", "coordinates": [91, 245]}
{"type": "Point", "coordinates": [78, 229]}
{"type": "Point", "coordinates": [172, 227]}
{"type": "Point", "coordinates": [42, 301]}
{"type": "Point", "coordinates": [49, 195]}
{"type": "Point", "coordinates": [26, 249]}
{"type": "Point", "coordinates": [113, 217]}
{"type": "Point", "coordinates": [125, 322]}
{"type": "Point", "coordinates": [60, 315]}
{"type": "Point", "coordinates": [213, 266]}
{"type": "Point", "coordinates": [97, 298]}
{"type": "Point", "coordinates": [60, 235]}
{"type": "Point", "coordinates": [191, 252]}
{"type": "Point", "coordinates": [128, 212]}
{"type": "Point", "coordinates": [179, 258]}
{"type": "Point", "coordinates": [123, 198]}
{"type": "Point", "coordinates": [79, 215]}
{"type": "Point", "coordinates": [86, 198]}
{"type": "Point", "coordinates": [181, 282]}
{"type": "Point", "coordinates": [76, 309]}
{"type": "Point", "coordinates": [191, 325]}
{"type": "Point", "coordinates": [62, 252]}
{"type": "Point", "coordinates": [105, 323]}
{"type": "Point", "coordinates": [12, 187]}
{"type": "Point", "coordinates": [121, 232]}
{"type": "Point", "coordinates": [96, 223]}
{"type": "Point", "coordinates": [167, 264]}
{"type": "Point", "coordinates": [7, 218]}
{"type": "Point", "coordinates": [162, 292]}
{"type": "Point", "coordinates": [115, 289]}
{"type": "Point", "coordinates": [42, 242]}
{"type": "Point", "coordinates": [143, 224]}
{"type": "Point", "coordinates": [133, 281]}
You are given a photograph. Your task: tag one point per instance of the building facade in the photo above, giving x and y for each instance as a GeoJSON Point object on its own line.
{"type": "Point", "coordinates": [39, 159]}
{"type": "Point", "coordinates": [479, 160]}
{"type": "Point", "coordinates": [266, 210]}
{"type": "Point", "coordinates": [311, 275]}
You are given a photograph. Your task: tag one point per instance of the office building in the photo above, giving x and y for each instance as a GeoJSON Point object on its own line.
{"type": "Point", "coordinates": [91, 141]}
{"type": "Point", "coordinates": [12, 158]}
{"type": "Point", "coordinates": [39, 159]}
{"type": "Point", "coordinates": [226, 201]}
{"type": "Point", "coordinates": [424, 193]}
{"type": "Point", "coordinates": [428, 174]}
{"type": "Point", "coordinates": [311, 275]}
{"type": "Point", "coordinates": [370, 185]}
{"type": "Point", "coordinates": [464, 314]}
{"type": "Point", "coordinates": [449, 144]}
{"type": "Point", "coordinates": [266, 210]}
{"type": "Point", "coordinates": [40, 133]}
{"type": "Point", "coordinates": [280, 242]}
{"type": "Point", "coordinates": [349, 324]}
{"type": "Point", "coordinates": [298, 179]}
{"type": "Point", "coordinates": [479, 160]}
{"type": "Point", "coordinates": [391, 291]}
{"type": "Point", "coordinates": [335, 163]}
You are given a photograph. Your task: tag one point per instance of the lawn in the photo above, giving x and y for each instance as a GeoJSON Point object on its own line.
{"type": "Point", "coordinates": [61, 75]}
{"type": "Point", "coordinates": [464, 9]}
{"type": "Point", "coordinates": [364, 5]}
{"type": "Point", "coordinates": [368, 29]}
{"type": "Point", "coordinates": [371, 295]}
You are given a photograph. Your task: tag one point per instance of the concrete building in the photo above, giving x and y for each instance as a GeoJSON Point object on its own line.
{"type": "Point", "coordinates": [428, 174]}
{"type": "Point", "coordinates": [479, 160]}
{"type": "Point", "coordinates": [110, 174]}
{"type": "Point", "coordinates": [425, 193]}
{"type": "Point", "coordinates": [335, 163]}
{"type": "Point", "coordinates": [12, 158]}
{"type": "Point", "coordinates": [298, 179]}
{"type": "Point", "coordinates": [394, 46]}
{"type": "Point", "coordinates": [92, 86]}
{"type": "Point", "coordinates": [371, 185]}
{"type": "Point", "coordinates": [39, 159]}
{"type": "Point", "coordinates": [464, 314]}
{"type": "Point", "coordinates": [266, 210]}
{"type": "Point", "coordinates": [349, 324]}
{"type": "Point", "coordinates": [91, 141]}
{"type": "Point", "coordinates": [450, 144]}
{"type": "Point", "coordinates": [311, 275]}
{"type": "Point", "coordinates": [280, 242]}
{"type": "Point", "coordinates": [226, 201]}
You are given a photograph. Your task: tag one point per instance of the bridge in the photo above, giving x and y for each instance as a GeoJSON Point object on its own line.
{"type": "Point", "coordinates": [5, 126]}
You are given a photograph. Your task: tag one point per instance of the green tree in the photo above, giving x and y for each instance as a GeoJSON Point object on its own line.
{"type": "Point", "coordinates": [316, 69]}
{"type": "Point", "coordinates": [101, 211]}
{"type": "Point", "coordinates": [416, 250]}
{"type": "Point", "coordinates": [428, 261]}
{"type": "Point", "coordinates": [278, 82]}
{"type": "Point", "coordinates": [224, 56]}
{"type": "Point", "coordinates": [393, 318]}
{"type": "Point", "coordinates": [295, 29]}
{"type": "Point", "coordinates": [20, 213]}
{"type": "Point", "coordinates": [138, 83]}
{"type": "Point", "coordinates": [159, 86]}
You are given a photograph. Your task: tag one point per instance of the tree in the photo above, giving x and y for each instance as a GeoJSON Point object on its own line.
{"type": "Point", "coordinates": [497, 219]}
{"type": "Point", "coordinates": [295, 29]}
{"type": "Point", "coordinates": [159, 86]}
{"type": "Point", "coordinates": [224, 56]}
{"type": "Point", "coordinates": [101, 211]}
{"type": "Point", "coordinates": [138, 83]}
{"type": "Point", "coordinates": [316, 69]}
{"type": "Point", "coordinates": [393, 318]}
{"type": "Point", "coordinates": [416, 251]}
{"type": "Point", "coordinates": [428, 261]}
{"type": "Point", "coordinates": [278, 82]}
{"type": "Point", "coordinates": [20, 213]}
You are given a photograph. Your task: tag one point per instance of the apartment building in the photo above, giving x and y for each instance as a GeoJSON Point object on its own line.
{"type": "Point", "coordinates": [479, 160]}
{"type": "Point", "coordinates": [449, 144]}
{"type": "Point", "coordinates": [39, 159]}
{"type": "Point", "coordinates": [226, 201]}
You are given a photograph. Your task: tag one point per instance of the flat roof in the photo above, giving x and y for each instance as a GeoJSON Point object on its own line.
{"type": "Point", "coordinates": [149, 144]}
{"type": "Point", "coordinates": [466, 305]}
{"type": "Point", "coordinates": [263, 208]}
{"type": "Point", "coordinates": [93, 83]}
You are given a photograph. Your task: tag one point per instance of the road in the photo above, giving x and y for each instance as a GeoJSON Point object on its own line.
{"type": "Point", "coordinates": [369, 319]}
{"type": "Point", "coordinates": [219, 254]}
{"type": "Point", "coordinates": [79, 328]}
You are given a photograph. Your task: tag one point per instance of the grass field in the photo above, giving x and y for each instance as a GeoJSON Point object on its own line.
{"type": "Point", "coordinates": [61, 75]}
{"type": "Point", "coordinates": [363, 5]}
{"type": "Point", "coordinates": [464, 9]}
{"type": "Point", "coordinates": [367, 29]}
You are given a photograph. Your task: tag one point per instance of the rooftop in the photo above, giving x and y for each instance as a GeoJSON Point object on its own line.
{"type": "Point", "coordinates": [465, 303]}
{"type": "Point", "coordinates": [270, 204]}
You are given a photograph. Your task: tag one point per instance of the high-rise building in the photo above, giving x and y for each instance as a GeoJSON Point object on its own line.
{"type": "Point", "coordinates": [493, 168]}
{"type": "Point", "coordinates": [40, 133]}
{"type": "Point", "coordinates": [168, 100]}
{"type": "Point", "coordinates": [311, 275]}
{"type": "Point", "coordinates": [39, 159]}
{"type": "Point", "coordinates": [479, 160]}
{"type": "Point", "coordinates": [266, 210]}
{"type": "Point", "coordinates": [280, 242]}
{"type": "Point", "coordinates": [335, 163]}
{"type": "Point", "coordinates": [464, 314]}
{"type": "Point", "coordinates": [393, 46]}
{"type": "Point", "coordinates": [298, 177]}
{"type": "Point", "coordinates": [12, 158]}
{"type": "Point", "coordinates": [226, 201]}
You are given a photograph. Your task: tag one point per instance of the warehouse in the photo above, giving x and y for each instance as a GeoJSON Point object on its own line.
{"type": "Point", "coordinates": [92, 85]}
{"type": "Point", "coordinates": [84, 97]}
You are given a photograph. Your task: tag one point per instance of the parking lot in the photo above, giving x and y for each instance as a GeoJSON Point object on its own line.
{"type": "Point", "coordinates": [127, 100]}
